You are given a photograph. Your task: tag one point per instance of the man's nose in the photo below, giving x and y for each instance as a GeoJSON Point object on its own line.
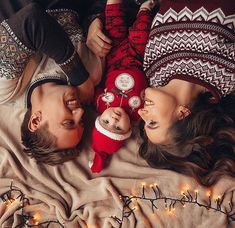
{"type": "Point", "coordinates": [78, 113]}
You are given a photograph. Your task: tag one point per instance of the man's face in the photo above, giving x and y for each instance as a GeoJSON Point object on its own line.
{"type": "Point", "coordinates": [61, 109]}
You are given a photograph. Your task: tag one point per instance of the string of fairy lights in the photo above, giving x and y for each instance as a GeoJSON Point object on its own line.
{"type": "Point", "coordinates": [186, 197]}
{"type": "Point", "coordinates": [15, 196]}
{"type": "Point", "coordinates": [153, 196]}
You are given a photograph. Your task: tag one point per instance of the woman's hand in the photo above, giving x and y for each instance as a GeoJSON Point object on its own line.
{"type": "Point", "coordinates": [86, 91]}
{"type": "Point", "coordinates": [96, 39]}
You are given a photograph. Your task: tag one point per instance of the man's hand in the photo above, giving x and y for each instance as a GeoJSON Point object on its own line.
{"type": "Point", "coordinates": [86, 91]}
{"type": "Point", "coordinates": [96, 40]}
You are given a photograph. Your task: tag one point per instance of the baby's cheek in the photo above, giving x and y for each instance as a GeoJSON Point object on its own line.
{"type": "Point", "coordinates": [126, 124]}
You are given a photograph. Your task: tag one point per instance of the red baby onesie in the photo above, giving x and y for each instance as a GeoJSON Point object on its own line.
{"type": "Point", "coordinates": [125, 80]}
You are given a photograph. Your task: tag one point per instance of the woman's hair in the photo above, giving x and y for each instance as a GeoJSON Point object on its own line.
{"type": "Point", "coordinates": [41, 144]}
{"type": "Point", "coordinates": [203, 143]}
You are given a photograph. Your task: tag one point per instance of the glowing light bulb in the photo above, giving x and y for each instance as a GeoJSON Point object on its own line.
{"type": "Point", "coordinates": [218, 197]}
{"type": "Point", "coordinates": [208, 193]}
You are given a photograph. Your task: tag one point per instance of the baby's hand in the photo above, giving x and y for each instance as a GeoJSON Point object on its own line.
{"type": "Point", "coordinates": [86, 91]}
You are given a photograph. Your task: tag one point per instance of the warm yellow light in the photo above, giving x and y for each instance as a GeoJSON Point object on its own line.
{"type": "Point", "coordinates": [170, 212]}
{"type": "Point", "coordinates": [36, 217]}
{"type": "Point", "coordinates": [208, 193]}
{"type": "Point", "coordinates": [185, 188]}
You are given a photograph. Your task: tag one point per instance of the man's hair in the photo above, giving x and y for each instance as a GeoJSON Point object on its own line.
{"type": "Point", "coordinates": [203, 143]}
{"type": "Point", "coordinates": [41, 144]}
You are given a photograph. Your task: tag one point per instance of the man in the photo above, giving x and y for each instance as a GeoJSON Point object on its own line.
{"type": "Point", "coordinates": [39, 37]}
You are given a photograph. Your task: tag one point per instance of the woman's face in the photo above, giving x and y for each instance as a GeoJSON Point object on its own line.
{"type": "Point", "coordinates": [159, 113]}
{"type": "Point", "coordinates": [116, 120]}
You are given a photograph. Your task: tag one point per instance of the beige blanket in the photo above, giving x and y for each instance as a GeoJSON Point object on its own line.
{"type": "Point", "coordinates": [127, 193]}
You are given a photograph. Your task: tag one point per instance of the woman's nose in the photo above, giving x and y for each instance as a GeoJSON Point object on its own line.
{"type": "Point", "coordinates": [148, 90]}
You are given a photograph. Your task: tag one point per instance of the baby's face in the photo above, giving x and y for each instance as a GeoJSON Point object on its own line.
{"type": "Point", "coordinates": [116, 120]}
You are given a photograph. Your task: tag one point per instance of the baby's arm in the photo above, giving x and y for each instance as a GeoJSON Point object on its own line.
{"type": "Point", "coordinates": [114, 21]}
{"type": "Point", "coordinates": [139, 32]}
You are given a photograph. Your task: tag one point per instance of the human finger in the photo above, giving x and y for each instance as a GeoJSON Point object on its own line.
{"type": "Point", "coordinates": [99, 47]}
{"type": "Point", "coordinates": [104, 38]}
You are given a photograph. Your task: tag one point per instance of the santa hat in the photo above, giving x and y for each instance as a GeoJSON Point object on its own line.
{"type": "Point", "coordinates": [105, 143]}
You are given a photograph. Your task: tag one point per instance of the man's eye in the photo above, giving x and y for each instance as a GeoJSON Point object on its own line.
{"type": "Point", "coordinates": [69, 123]}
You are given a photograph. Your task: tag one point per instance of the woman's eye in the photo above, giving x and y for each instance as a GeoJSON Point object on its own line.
{"type": "Point", "coordinates": [152, 124]}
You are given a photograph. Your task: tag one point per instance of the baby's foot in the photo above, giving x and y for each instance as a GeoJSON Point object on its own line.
{"type": "Point", "coordinates": [149, 4]}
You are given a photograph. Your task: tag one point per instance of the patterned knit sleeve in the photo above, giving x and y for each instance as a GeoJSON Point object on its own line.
{"type": "Point", "coordinates": [39, 32]}
{"type": "Point", "coordinates": [96, 9]}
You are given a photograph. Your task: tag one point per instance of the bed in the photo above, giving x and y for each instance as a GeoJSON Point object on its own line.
{"type": "Point", "coordinates": [127, 193]}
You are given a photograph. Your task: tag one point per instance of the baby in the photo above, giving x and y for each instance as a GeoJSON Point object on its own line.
{"type": "Point", "coordinates": [125, 81]}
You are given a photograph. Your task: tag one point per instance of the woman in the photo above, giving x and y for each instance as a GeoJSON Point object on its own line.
{"type": "Point", "coordinates": [188, 117]}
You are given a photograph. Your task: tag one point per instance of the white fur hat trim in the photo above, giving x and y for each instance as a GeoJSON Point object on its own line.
{"type": "Point", "coordinates": [110, 134]}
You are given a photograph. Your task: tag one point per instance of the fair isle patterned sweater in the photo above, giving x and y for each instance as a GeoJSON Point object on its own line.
{"type": "Point", "coordinates": [22, 68]}
{"type": "Point", "coordinates": [193, 41]}
{"type": "Point", "coordinates": [28, 33]}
